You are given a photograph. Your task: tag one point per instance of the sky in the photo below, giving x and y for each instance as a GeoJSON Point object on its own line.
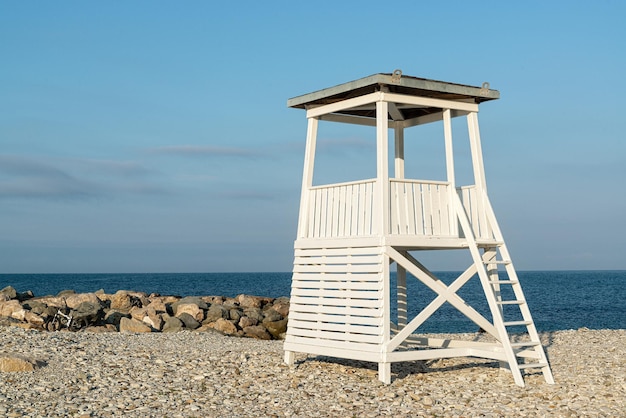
{"type": "Point", "coordinates": [154, 136]}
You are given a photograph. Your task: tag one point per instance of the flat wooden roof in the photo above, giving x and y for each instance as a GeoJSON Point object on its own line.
{"type": "Point", "coordinates": [395, 83]}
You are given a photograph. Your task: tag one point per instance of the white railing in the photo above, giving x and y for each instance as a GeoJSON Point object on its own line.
{"type": "Point", "coordinates": [341, 210]}
{"type": "Point", "coordinates": [475, 212]}
{"type": "Point", "coordinates": [416, 208]}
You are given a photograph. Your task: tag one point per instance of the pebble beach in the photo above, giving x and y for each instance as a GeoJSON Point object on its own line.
{"type": "Point", "coordinates": [207, 374]}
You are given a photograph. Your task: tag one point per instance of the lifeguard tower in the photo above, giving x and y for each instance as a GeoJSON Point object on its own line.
{"type": "Point", "coordinates": [349, 235]}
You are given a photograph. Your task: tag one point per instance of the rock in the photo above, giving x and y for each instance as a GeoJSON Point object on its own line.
{"type": "Point", "coordinates": [235, 314]}
{"type": "Point", "coordinates": [153, 319]}
{"type": "Point", "coordinates": [158, 305]}
{"type": "Point", "coordinates": [88, 313]}
{"type": "Point", "coordinates": [4, 298]}
{"type": "Point", "coordinates": [121, 301]}
{"type": "Point", "coordinates": [9, 307]}
{"type": "Point", "coordinates": [22, 296]}
{"type": "Point", "coordinates": [133, 325]}
{"type": "Point", "coordinates": [10, 292]}
{"type": "Point", "coordinates": [247, 301]}
{"type": "Point", "coordinates": [276, 328]}
{"type": "Point", "coordinates": [34, 319]}
{"type": "Point", "coordinates": [215, 312]}
{"type": "Point", "coordinates": [193, 300]}
{"type": "Point", "coordinates": [17, 363]}
{"type": "Point", "coordinates": [230, 303]}
{"type": "Point", "coordinates": [114, 317]}
{"type": "Point", "coordinates": [190, 309]}
{"type": "Point", "coordinates": [254, 313]}
{"type": "Point", "coordinates": [257, 331]}
{"type": "Point", "coordinates": [171, 324]}
{"type": "Point", "coordinates": [271, 315]}
{"type": "Point", "coordinates": [54, 301]}
{"type": "Point", "coordinates": [225, 326]}
{"type": "Point", "coordinates": [246, 321]}
{"type": "Point", "coordinates": [73, 300]}
{"type": "Point", "coordinates": [189, 321]}
{"type": "Point", "coordinates": [281, 305]}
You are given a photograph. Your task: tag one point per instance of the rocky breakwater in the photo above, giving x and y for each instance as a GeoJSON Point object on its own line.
{"type": "Point", "coordinates": [128, 311]}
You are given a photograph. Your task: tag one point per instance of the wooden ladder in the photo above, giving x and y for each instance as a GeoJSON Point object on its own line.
{"type": "Point", "coordinates": [523, 350]}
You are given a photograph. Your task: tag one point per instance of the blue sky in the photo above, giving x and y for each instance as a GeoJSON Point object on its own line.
{"type": "Point", "coordinates": [153, 136]}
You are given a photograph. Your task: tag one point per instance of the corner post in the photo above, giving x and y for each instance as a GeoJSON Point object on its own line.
{"type": "Point", "coordinates": [307, 177]}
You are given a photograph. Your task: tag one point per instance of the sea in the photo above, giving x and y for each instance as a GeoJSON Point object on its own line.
{"type": "Point", "coordinates": [558, 300]}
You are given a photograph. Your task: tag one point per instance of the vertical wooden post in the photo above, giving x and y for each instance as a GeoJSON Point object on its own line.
{"type": "Point", "coordinates": [307, 176]}
{"type": "Point", "coordinates": [447, 133]}
{"type": "Point", "coordinates": [477, 153]}
{"type": "Point", "coordinates": [479, 168]}
{"type": "Point", "coordinates": [399, 150]}
{"type": "Point", "coordinates": [381, 201]}
{"type": "Point", "coordinates": [401, 290]}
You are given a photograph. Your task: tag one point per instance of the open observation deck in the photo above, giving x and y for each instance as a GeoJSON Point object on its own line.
{"type": "Point", "coordinates": [409, 213]}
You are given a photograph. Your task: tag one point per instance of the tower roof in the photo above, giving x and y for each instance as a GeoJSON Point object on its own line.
{"type": "Point", "coordinates": [395, 83]}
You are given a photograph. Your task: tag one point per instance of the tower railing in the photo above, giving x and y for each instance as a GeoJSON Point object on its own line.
{"type": "Point", "coordinates": [420, 208]}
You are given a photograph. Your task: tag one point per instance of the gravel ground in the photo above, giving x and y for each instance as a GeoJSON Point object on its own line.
{"type": "Point", "coordinates": [191, 374]}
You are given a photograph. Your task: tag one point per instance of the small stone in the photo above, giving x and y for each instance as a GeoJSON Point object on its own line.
{"type": "Point", "coordinates": [17, 363]}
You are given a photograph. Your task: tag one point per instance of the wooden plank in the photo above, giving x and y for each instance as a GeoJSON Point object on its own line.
{"type": "Point", "coordinates": [340, 349]}
{"type": "Point", "coordinates": [348, 285]}
{"type": "Point", "coordinates": [420, 218]}
{"type": "Point", "coordinates": [320, 301]}
{"type": "Point", "coordinates": [303, 252]}
{"type": "Point", "coordinates": [355, 320]}
{"type": "Point", "coordinates": [339, 310]}
{"type": "Point", "coordinates": [318, 214]}
{"type": "Point", "coordinates": [429, 102]}
{"type": "Point", "coordinates": [339, 259]}
{"type": "Point", "coordinates": [343, 105]}
{"type": "Point", "coordinates": [409, 202]}
{"type": "Point", "coordinates": [342, 230]}
{"type": "Point", "coordinates": [336, 268]}
{"type": "Point", "coordinates": [339, 294]}
{"type": "Point", "coordinates": [436, 209]}
{"type": "Point", "coordinates": [357, 278]}
{"type": "Point", "coordinates": [335, 327]}
{"type": "Point", "coordinates": [337, 336]}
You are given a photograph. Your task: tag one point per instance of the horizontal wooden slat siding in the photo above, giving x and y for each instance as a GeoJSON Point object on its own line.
{"type": "Point", "coordinates": [349, 259]}
{"type": "Point", "coordinates": [321, 301]}
{"type": "Point", "coordinates": [328, 317]}
{"type": "Point", "coordinates": [315, 346]}
{"type": "Point", "coordinates": [348, 311]}
{"type": "Point", "coordinates": [333, 268]}
{"type": "Point", "coordinates": [337, 295]}
{"type": "Point", "coordinates": [339, 327]}
{"type": "Point", "coordinates": [355, 251]}
{"type": "Point", "coordinates": [343, 294]}
{"type": "Point", "coordinates": [336, 336]}
{"type": "Point", "coordinates": [335, 284]}
{"type": "Point", "coordinates": [356, 277]}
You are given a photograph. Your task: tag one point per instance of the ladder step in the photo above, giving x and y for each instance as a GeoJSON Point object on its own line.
{"type": "Point", "coordinates": [503, 281]}
{"type": "Point", "coordinates": [510, 302]}
{"type": "Point", "coordinates": [514, 323]}
{"type": "Point", "coordinates": [525, 344]}
{"type": "Point", "coordinates": [498, 262]}
{"type": "Point", "coordinates": [532, 365]}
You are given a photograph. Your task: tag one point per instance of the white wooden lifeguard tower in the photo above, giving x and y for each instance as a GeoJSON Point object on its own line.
{"type": "Point", "coordinates": [349, 234]}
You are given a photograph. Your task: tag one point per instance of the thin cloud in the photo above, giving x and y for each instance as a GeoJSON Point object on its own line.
{"type": "Point", "coordinates": [38, 178]}
{"type": "Point", "coordinates": [205, 151]}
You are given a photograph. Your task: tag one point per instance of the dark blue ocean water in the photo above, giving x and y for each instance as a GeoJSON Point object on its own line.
{"type": "Point", "coordinates": [557, 299]}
